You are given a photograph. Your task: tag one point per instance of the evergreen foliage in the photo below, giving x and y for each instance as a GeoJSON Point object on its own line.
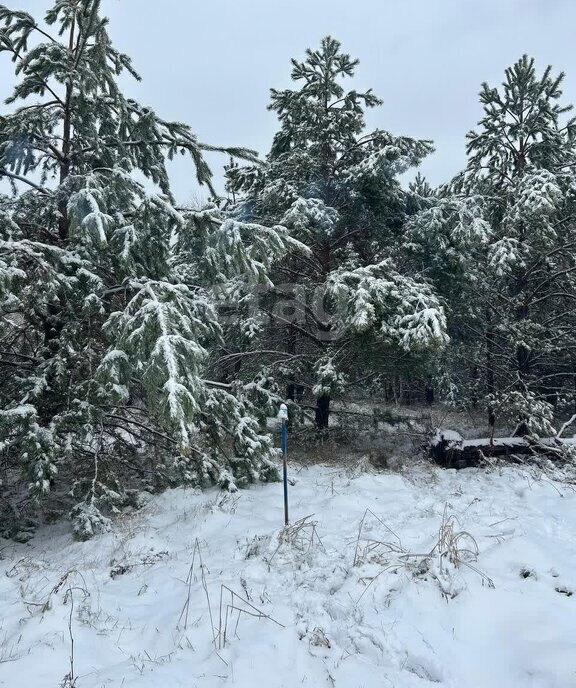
{"type": "Point", "coordinates": [502, 235]}
{"type": "Point", "coordinates": [351, 302]}
{"type": "Point", "coordinates": [109, 292]}
{"type": "Point", "coordinates": [144, 344]}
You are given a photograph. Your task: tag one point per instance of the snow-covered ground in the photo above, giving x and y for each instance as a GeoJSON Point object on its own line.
{"type": "Point", "coordinates": [340, 608]}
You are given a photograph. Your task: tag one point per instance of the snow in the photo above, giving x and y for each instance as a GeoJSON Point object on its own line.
{"type": "Point", "coordinates": [445, 435]}
{"type": "Point", "coordinates": [309, 215]}
{"type": "Point", "coordinates": [390, 620]}
{"type": "Point", "coordinates": [512, 441]}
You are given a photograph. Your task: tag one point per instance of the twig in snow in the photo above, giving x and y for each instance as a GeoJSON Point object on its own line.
{"type": "Point", "coordinates": [189, 580]}
{"type": "Point", "coordinates": [302, 534]}
{"type": "Point", "coordinates": [373, 544]}
{"type": "Point", "coordinates": [226, 613]}
{"type": "Point", "coordinates": [69, 681]}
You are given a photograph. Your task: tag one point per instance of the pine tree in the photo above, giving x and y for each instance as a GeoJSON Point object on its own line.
{"type": "Point", "coordinates": [505, 232]}
{"type": "Point", "coordinates": [348, 300]}
{"type": "Point", "coordinates": [110, 293]}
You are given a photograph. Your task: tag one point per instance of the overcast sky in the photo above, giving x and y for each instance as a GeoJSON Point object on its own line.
{"type": "Point", "coordinates": [211, 63]}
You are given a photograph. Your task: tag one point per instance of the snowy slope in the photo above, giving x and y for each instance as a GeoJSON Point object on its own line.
{"type": "Point", "coordinates": [390, 620]}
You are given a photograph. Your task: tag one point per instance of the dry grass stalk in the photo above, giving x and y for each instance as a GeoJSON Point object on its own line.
{"type": "Point", "coordinates": [373, 546]}
{"type": "Point", "coordinates": [240, 605]}
{"type": "Point", "coordinates": [301, 535]}
{"type": "Point", "coordinates": [453, 544]}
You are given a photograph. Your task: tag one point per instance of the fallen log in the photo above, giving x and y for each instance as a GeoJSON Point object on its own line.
{"type": "Point", "coordinates": [448, 448]}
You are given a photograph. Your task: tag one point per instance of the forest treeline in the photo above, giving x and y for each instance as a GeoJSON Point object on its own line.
{"type": "Point", "coordinates": [144, 343]}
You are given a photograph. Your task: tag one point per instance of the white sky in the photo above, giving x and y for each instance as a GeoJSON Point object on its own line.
{"type": "Point", "coordinates": [211, 63]}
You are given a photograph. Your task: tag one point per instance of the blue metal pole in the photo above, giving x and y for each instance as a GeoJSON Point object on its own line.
{"type": "Point", "coordinates": [285, 469]}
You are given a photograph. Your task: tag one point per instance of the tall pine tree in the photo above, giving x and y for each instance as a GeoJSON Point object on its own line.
{"type": "Point", "coordinates": [348, 307]}
{"type": "Point", "coordinates": [109, 292]}
{"type": "Point", "coordinates": [505, 233]}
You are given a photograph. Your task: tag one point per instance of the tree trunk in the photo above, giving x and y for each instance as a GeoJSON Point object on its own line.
{"type": "Point", "coordinates": [523, 353]}
{"type": "Point", "coordinates": [523, 358]}
{"type": "Point", "coordinates": [490, 383]}
{"type": "Point", "coordinates": [454, 452]}
{"type": "Point", "coordinates": [490, 386]}
{"type": "Point", "coordinates": [66, 147]}
{"type": "Point", "coordinates": [291, 349]}
{"type": "Point", "coordinates": [322, 411]}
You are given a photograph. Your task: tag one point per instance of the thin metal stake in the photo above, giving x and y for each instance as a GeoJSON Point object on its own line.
{"type": "Point", "coordinates": [285, 469]}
